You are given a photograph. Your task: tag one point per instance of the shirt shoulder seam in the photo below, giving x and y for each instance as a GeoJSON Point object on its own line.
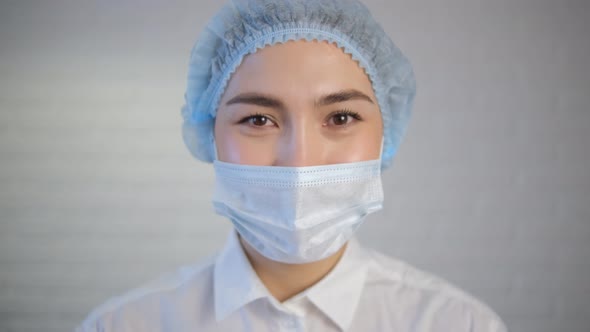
{"type": "Point", "coordinates": [443, 286]}
{"type": "Point", "coordinates": [180, 276]}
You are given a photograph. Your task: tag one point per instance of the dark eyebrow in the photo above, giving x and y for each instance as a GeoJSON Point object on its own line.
{"type": "Point", "coordinates": [342, 96]}
{"type": "Point", "coordinates": [258, 99]}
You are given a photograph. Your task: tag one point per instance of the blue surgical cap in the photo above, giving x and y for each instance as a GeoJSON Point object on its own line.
{"type": "Point", "coordinates": [242, 27]}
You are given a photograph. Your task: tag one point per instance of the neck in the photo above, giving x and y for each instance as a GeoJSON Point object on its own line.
{"type": "Point", "coordinates": [284, 280]}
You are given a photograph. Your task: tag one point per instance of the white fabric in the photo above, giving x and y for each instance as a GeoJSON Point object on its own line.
{"type": "Point", "coordinates": [365, 292]}
{"type": "Point", "coordinates": [297, 214]}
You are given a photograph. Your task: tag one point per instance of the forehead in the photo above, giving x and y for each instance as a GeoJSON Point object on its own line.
{"type": "Point", "coordinates": [299, 67]}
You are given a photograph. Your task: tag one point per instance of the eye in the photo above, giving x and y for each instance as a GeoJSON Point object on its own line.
{"type": "Point", "coordinates": [257, 120]}
{"type": "Point", "coordinates": [343, 118]}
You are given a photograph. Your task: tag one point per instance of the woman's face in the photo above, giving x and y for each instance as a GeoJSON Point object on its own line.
{"type": "Point", "coordinates": [298, 104]}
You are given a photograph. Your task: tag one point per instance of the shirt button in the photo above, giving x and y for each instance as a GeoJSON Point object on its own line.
{"type": "Point", "coordinates": [288, 323]}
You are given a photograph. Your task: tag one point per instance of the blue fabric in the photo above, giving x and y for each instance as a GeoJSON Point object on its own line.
{"type": "Point", "coordinates": [243, 26]}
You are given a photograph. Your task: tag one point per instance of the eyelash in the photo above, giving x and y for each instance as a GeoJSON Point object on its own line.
{"type": "Point", "coordinates": [255, 115]}
{"type": "Point", "coordinates": [348, 112]}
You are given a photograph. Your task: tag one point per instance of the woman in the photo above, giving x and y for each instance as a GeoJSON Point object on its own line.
{"type": "Point", "coordinates": [299, 105]}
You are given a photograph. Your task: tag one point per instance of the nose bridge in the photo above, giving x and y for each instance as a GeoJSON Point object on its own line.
{"type": "Point", "coordinates": [301, 145]}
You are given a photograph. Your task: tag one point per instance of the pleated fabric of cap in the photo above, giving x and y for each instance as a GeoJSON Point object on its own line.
{"type": "Point", "coordinates": [242, 27]}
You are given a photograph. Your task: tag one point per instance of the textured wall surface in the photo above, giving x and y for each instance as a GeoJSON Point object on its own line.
{"type": "Point", "coordinates": [490, 190]}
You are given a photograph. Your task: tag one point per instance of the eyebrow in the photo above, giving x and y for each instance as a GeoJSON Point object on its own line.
{"type": "Point", "coordinates": [259, 99]}
{"type": "Point", "coordinates": [342, 96]}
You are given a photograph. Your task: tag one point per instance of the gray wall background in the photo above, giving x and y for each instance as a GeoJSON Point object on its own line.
{"type": "Point", "coordinates": [490, 190]}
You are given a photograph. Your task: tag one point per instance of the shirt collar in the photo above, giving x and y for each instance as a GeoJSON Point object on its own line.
{"type": "Point", "coordinates": [235, 281]}
{"type": "Point", "coordinates": [336, 295]}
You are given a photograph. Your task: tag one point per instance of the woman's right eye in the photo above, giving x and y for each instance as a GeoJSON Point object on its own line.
{"type": "Point", "coordinates": [257, 120]}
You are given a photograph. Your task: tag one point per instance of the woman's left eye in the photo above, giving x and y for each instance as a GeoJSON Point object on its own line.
{"type": "Point", "coordinates": [343, 118]}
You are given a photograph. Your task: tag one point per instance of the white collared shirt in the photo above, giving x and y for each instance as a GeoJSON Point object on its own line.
{"type": "Point", "coordinates": [366, 291]}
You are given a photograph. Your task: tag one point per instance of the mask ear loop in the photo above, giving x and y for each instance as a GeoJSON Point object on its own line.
{"type": "Point", "coordinates": [381, 149]}
{"type": "Point", "coordinates": [213, 147]}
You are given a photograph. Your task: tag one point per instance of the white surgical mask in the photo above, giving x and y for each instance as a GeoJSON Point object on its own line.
{"type": "Point", "coordinates": [297, 214]}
